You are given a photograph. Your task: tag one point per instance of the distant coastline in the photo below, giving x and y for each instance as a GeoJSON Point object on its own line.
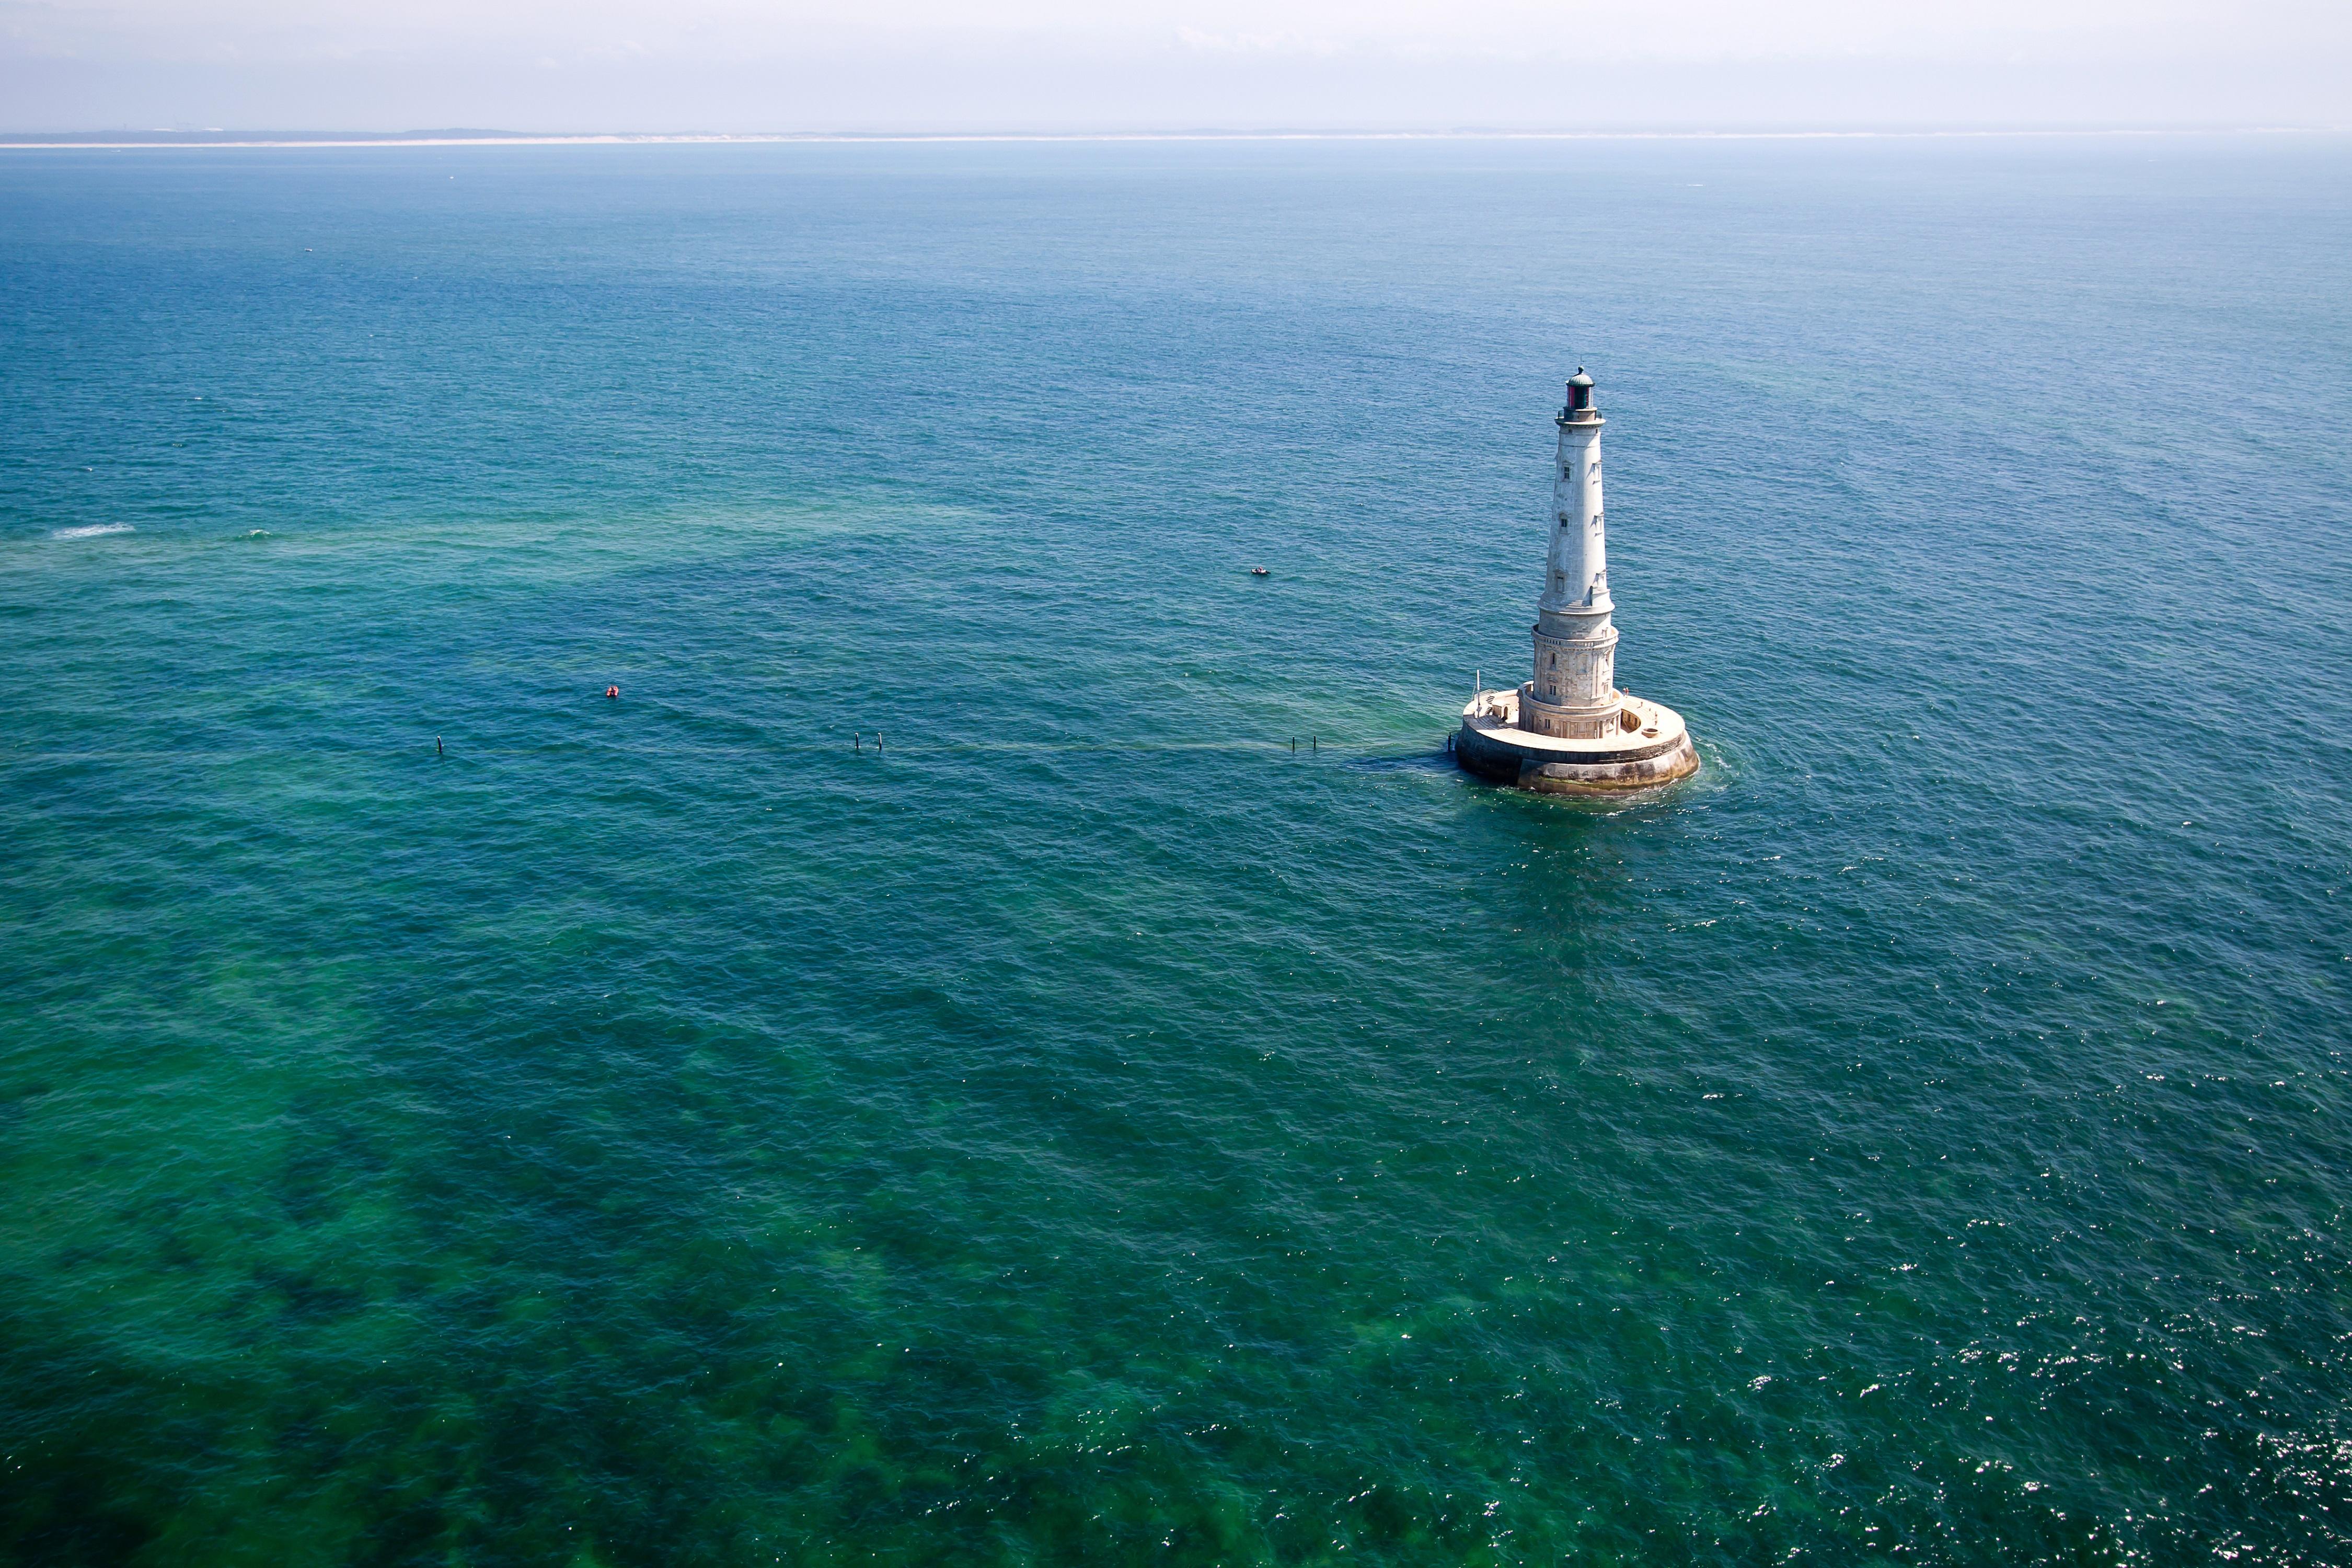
{"type": "Point", "coordinates": [122, 140]}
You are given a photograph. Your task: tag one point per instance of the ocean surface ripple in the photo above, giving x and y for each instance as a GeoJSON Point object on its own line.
{"type": "Point", "coordinates": [449, 1117]}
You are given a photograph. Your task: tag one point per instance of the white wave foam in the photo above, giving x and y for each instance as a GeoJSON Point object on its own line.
{"type": "Point", "coordinates": [92, 530]}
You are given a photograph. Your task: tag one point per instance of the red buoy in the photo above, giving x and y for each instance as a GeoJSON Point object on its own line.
{"type": "Point", "coordinates": [612, 691]}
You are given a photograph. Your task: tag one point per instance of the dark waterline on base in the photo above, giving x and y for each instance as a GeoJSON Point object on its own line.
{"type": "Point", "coordinates": [649, 1131]}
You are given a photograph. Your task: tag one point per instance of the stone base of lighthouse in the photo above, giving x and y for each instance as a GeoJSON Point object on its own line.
{"type": "Point", "coordinates": [1645, 746]}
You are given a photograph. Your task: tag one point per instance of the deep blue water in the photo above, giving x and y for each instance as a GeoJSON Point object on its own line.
{"type": "Point", "coordinates": [666, 1131]}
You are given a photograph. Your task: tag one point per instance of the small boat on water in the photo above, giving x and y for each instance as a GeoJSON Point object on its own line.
{"type": "Point", "coordinates": [1260, 572]}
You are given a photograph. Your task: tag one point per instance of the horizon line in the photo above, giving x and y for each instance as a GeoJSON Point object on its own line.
{"type": "Point", "coordinates": [57, 140]}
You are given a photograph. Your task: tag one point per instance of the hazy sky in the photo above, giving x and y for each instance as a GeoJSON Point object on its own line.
{"type": "Point", "coordinates": [1057, 65]}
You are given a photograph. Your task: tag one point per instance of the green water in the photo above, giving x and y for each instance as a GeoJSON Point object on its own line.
{"type": "Point", "coordinates": [672, 1130]}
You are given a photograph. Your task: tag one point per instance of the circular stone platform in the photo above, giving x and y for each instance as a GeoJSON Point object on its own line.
{"type": "Point", "coordinates": [1655, 749]}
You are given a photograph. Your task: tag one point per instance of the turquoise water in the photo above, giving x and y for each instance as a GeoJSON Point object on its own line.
{"type": "Point", "coordinates": [666, 1131]}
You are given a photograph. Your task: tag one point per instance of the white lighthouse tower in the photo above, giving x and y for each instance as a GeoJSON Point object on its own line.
{"type": "Point", "coordinates": [1574, 692]}
{"type": "Point", "coordinates": [1570, 731]}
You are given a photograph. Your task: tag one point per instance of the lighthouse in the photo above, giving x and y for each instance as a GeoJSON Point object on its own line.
{"type": "Point", "coordinates": [1568, 729]}
{"type": "Point", "coordinates": [1574, 692]}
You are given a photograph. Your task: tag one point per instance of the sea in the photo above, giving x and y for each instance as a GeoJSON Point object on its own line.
{"type": "Point", "coordinates": [1009, 1041]}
